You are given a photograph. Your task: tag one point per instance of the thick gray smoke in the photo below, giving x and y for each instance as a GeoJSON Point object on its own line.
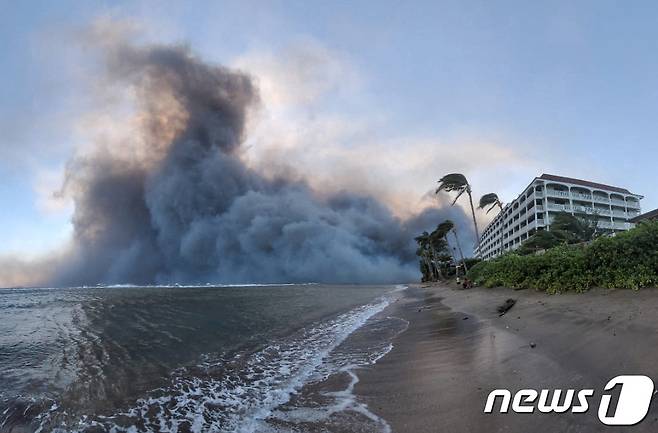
{"type": "Point", "coordinates": [182, 206]}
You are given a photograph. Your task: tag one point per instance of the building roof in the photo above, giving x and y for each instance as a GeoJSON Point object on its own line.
{"type": "Point", "coordinates": [645, 216]}
{"type": "Point", "coordinates": [584, 183]}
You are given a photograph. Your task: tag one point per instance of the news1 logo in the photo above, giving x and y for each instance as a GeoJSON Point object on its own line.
{"type": "Point", "coordinates": [625, 400]}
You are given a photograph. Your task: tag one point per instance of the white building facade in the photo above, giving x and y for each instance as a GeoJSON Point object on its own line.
{"type": "Point", "coordinates": [546, 196]}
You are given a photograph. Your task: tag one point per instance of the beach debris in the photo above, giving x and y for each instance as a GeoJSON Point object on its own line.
{"type": "Point", "coordinates": [465, 318]}
{"type": "Point", "coordinates": [533, 345]}
{"type": "Point", "coordinates": [504, 308]}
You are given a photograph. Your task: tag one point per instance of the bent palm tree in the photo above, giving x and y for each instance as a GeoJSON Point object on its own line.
{"type": "Point", "coordinates": [456, 182]}
{"type": "Point", "coordinates": [437, 244]}
{"type": "Point", "coordinates": [446, 227]}
{"type": "Point", "coordinates": [425, 255]}
{"type": "Point", "coordinates": [492, 200]}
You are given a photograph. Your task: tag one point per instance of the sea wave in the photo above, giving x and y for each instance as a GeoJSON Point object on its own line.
{"type": "Point", "coordinates": [244, 392]}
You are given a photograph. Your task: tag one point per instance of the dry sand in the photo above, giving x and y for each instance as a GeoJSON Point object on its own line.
{"type": "Point", "coordinates": [457, 349]}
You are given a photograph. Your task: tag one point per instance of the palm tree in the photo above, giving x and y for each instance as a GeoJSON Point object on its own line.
{"type": "Point", "coordinates": [446, 227]}
{"type": "Point", "coordinates": [456, 182]}
{"type": "Point", "coordinates": [492, 200]}
{"type": "Point", "coordinates": [425, 254]}
{"type": "Point", "coordinates": [438, 246]}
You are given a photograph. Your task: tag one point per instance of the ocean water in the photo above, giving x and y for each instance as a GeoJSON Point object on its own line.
{"type": "Point", "coordinates": [191, 359]}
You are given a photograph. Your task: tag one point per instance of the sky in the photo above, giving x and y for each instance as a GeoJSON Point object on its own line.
{"type": "Point", "coordinates": [382, 96]}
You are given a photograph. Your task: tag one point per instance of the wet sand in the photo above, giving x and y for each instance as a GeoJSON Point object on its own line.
{"type": "Point", "coordinates": [457, 349]}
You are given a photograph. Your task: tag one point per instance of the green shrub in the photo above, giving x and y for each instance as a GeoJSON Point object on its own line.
{"type": "Point", "coordinates": [628, 260]}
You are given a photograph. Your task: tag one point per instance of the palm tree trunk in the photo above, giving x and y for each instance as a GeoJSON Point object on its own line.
{"type": "Point", "coordinates": [459, 247]}
{"type": "Point", "coordinates": [475, 223]}
{"type": "Point", "coordinates": [435, 273]}
{"type": "Point", "coordinates": [439, 274]}
{"type": "Point", "coordinates": [430, 267]}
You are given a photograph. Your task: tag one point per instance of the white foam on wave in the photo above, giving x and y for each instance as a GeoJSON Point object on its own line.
{"type": "Point", "coordinates": [345, 400]}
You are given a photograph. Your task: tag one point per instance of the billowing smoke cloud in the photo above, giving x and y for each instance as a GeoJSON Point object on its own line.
{"type": "Point", "coordinates": [176, 203]}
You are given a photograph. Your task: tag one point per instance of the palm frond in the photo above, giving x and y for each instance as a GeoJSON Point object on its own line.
{"type": "Point", "coordinates": [457, 198]}
{"type": "Point", "coordinates": [488, 199]}
{"type": "Point", "coordinates": [445, 227]}
{"type": "Point", "coordinates": [452, 182]}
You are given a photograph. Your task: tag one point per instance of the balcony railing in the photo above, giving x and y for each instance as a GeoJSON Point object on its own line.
{"type": "Point", "coordinates": [633, 204]}
{"type": "Point", "coordinates": [581, 196]}
{"type": "Point", "coordinates": [560, 207]}
{"type": "Point", "coordinates": [615, 225]}
{"type": "Point", "coordinates": [585, 209]}
{"type": "Point", "coordinates": [557, 193]}
{"type": "Point", "coordinates": [601, 199]}
{"type": "Point", "coordinates": [618, 202]}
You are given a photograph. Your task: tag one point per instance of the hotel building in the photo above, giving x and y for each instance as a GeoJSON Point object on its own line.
{"type": "Point", "coordinates": [546, 196]}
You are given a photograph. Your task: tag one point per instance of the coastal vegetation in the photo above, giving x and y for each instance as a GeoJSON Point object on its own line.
{"type": "Point", "coordinates": [437, 260]}
{"type": "Point", "coordinates": [569, 261]}
{"type": "Point", "coordinates": [434, 253]}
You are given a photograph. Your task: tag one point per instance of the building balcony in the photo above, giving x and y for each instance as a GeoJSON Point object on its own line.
{"type": "Point", "coordinates": [580, 196]}
{"type": "Point", "coordinates": [601, 199]}
{"type": "Point", "coordinates": [633, 204]}
{"type": "Point", "coordinates": [618, 202]}
{"type": "Point", "coordinates": [583, 209]}
{"type": "Point", "coordinates": [557, 193]}
{"type": "Point", "coordinates": [614, 225]}
{"type": "Point", "coordinates": [605, 212]}
{"type": "Point", "coordinates": [559, 207]}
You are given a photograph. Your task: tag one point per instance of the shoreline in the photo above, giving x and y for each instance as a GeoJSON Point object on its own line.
{"type": "Point", "coordinates": [457, 349]}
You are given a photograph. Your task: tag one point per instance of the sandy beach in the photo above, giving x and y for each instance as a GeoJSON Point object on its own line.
{"type": "Point", "coordinates": [457, 349]}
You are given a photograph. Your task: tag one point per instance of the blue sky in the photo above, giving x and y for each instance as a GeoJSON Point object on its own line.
{"type": "Point", "coordinates": [499, 90]}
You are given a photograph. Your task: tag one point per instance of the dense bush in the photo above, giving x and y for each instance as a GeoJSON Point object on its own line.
{"type": "Point", "coordinates": [471, 261]}
{"type": "Point", "coordinates": [628, 260]}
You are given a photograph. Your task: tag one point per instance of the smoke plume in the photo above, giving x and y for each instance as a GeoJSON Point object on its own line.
{"type": "Point", "coordinates": [177, 203]}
